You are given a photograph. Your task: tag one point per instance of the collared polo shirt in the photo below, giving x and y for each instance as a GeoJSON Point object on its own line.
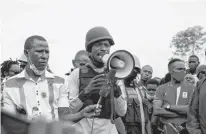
{"type": "Point", "coordinates": [43, 97]}
{"type": "Point", "coordinates": [175, 96]}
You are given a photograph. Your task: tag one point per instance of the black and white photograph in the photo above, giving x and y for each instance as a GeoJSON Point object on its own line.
{"type": "Point", "coordinates": [103, 67]}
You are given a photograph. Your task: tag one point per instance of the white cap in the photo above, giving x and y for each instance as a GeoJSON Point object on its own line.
{"type": "Point", "coordinates": [23, 58]}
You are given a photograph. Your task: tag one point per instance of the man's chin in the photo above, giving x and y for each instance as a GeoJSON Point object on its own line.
{"type": "Point", "coordinates": [41, 68]}
{"type": "Point", "coordinates": [192, 69]}
{"type": "Point", "coordinates": [98, 62]}
{"type": "Point", "coordinates": [145, 79]}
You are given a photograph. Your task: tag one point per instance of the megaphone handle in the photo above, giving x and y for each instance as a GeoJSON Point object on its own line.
{"type": "Point", "coordinates": [112, 104]}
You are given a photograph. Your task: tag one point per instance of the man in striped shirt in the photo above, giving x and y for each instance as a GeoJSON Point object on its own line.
{"type": "Point", "coordinates": [35, 91]}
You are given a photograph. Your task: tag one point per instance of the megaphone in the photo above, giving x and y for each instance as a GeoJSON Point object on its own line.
{"type": "Point", "coordinates": [121, 61]}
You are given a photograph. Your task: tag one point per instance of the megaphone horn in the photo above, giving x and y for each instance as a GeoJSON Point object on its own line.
{"type": "Point", "coordinates": [122, 61]}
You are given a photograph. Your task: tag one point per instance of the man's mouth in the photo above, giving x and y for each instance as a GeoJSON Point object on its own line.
{"type": "Point", "coordinates": [146, 77]}
{"type": "Point", "coordinates": [43, 63]}
{"type": "Point", "coordinates": [100, 55]}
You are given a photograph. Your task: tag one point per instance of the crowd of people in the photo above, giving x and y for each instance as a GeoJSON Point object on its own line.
{"type": "Point", "coordinates": [139, 104]}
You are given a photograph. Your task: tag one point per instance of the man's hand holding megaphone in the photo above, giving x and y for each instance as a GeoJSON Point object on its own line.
{"type": "Point", "coordinates": [106, 87]}
{"type": "Point", "coordinates": [95, 84]}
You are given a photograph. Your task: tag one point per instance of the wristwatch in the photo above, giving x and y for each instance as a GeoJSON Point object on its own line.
{"type": "Point", "coordinates": [168, 106]}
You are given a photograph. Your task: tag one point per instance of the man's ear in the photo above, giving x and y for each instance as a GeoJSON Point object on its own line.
{"type": "Point", "coordinates": [26, 52]}
{"type": "Point", "coordinates": [198, 63]}
{"type": "Point", "coordinates": [73, 62]}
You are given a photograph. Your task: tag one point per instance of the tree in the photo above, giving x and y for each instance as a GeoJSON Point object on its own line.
{"type": "Point", "coordinates": [189, 41]}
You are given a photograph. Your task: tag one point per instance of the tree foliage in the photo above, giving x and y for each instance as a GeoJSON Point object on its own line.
{"type": "Point", "coordinates": [188, 41]}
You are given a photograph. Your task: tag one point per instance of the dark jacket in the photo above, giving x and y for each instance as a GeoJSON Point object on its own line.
{"type": "Point", "coordinates": [197, 111]}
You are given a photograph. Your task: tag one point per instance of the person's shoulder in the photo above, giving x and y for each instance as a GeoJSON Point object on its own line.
{"type": "Point", "coordinates": [75, 71]}
{"type": "Point", "coordinates": [202, 83]}
{"type": "Point", "coordinates": [203, 80]}
{"type": "Point", "coordinates": [163, 86]}
{"type": "Point", "coordinates": [15, 82]}
{"type": "Point", "coordinates": [162, 89]}
{"type": "Point", "coordinates": [73, 75]}
{"type": "Point", "coordinates": [59, 79]}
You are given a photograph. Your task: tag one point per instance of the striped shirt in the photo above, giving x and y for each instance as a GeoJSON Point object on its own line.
{"type": "Point", "coordinates": [43, 97]}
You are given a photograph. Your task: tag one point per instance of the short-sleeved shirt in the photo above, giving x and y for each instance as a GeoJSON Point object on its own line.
{"type": "Point", "coordinates": [43, 97]}
{"type": "Point", "coordinates": [175, 96]}
{"type": "Point", "coordinates": [100, 126]}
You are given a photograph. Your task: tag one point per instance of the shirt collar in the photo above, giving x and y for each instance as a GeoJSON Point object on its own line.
{"type": "Point", "coordinates": [24, 74]}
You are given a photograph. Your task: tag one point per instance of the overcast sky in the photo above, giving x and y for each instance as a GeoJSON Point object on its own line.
{"type": "Point", "coordinates": [143, 27]}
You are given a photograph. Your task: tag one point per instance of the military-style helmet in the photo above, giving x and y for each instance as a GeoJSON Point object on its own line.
{"type": "Point", "coordinates": [97, 34]}
{"type": "Point", "coordinates": [137, 62]}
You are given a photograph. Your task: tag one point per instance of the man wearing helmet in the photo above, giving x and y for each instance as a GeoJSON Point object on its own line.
{"type": "Point", "coordinates": [136, 117]}
{"type": "Point", "coordinates": [85, 83]}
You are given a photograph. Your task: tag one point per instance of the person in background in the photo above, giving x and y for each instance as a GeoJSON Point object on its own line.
{"type": "Point", "coordinates": [166, 79]}
{"type": "Point", "coordinates": [23, 62]}
{"type": "Point", "coordinates": [151, 88]}
{"type": "Point", "coordinates": [85, 84]}
{"type": "Point", "coordinates": [172, 99]}
{"type": "Point", "coordinates": [157, 78]}
{"type": "Point", "coordinates": [81, 59]}
{"type": "Point", "coordinates": [9, 68]}
{"type": "Point", "coordinates": [193, 63]}
{"type": "Point", "coordinates": [146, 74]}
{"type": "Point", "coordinates": [196, 116]}
{"type": "Point", "coordinates": [201, 71]}
{"type": "Point", "coordinates": [136, 118]}
{"type": "Point", "coordinates": [190, 78]}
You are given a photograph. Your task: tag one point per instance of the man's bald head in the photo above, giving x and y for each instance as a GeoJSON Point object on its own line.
{"type": "Point", "coordinates": [81, 58]}
{"type": "Point", "coordinates": [36, 49]}
{"type": "Point", "coordinates": [147, 67]}
{"type": "Point", "coordinates": [81, 53]}
{"type": "Point", "coordinates": [146, 72]}
{"type": "Point", "coordinates": [30, 41]}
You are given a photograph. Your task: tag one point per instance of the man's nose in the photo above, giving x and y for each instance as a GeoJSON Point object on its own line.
{"type": "Point", "coordinates": [104, 48]}
{"type": "Point", "coordinates": [45, 55]}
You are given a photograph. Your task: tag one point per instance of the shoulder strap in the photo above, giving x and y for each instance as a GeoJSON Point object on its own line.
{"type": "Point", "coordinates": [20, 83]}
{"type": "Point", "coordinates": [51, 96]}
{"type": "Point", "coordinates": [127, 95]}
{"type": "Point", "coordinates": [141, 109]}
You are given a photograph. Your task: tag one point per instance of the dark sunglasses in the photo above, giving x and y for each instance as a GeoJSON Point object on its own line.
{"type": "Point", "coordinates": [151, 89]}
